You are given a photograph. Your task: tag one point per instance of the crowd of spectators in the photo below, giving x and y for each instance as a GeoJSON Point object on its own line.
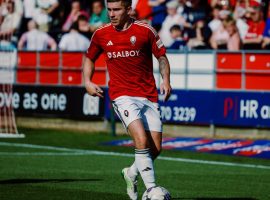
{"type": "Point", "coordinates": [182, 24]}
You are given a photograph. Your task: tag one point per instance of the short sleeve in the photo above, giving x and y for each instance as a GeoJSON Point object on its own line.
{"type": "Point", "coordinates": [158, 48]}
{"type": "Point", "coordinates": [94, 49]}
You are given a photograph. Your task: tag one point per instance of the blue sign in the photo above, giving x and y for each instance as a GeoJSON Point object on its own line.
{"type": "Point", "coordinates": [250, 109]}
{"type": "Point", "coordinates": [244, 109]}
{"type": "Point", "coordinates": [187, 107]}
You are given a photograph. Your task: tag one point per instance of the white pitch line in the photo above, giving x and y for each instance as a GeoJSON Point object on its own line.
{"type": "Point", "coordinates": [69, 151]}
{"type": "Point", "coordinates": [35, 146]}
{"type": "Point", "coordinates": [41, 153]}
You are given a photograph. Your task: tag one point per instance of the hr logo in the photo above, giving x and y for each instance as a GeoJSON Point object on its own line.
{"type": "Point", "coordinates": [245, 109]}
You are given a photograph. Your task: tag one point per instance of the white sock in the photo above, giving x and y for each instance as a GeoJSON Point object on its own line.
{"type": "Point", "coordinates": [133, 171]}
{"type": "Point", "coordinates": [144, 163]}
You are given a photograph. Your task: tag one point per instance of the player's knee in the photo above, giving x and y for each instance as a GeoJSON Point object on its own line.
{"type": "Point", "coordinates": [141, 143]}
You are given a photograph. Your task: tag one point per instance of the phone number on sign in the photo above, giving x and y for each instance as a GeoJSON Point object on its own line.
{"type": "Point", "coordinates": [182, 114]}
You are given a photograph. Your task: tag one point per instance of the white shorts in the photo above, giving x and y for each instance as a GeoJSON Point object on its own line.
{"type": "Point", "coordinates": [129, 109]}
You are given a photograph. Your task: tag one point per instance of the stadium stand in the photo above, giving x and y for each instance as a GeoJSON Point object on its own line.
{"type": "Point", "coordinates": [199, 19]}
{"type": "Point", "coordinates": [220, 69]}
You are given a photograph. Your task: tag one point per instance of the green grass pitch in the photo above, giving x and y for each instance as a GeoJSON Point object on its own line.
{"type": "Point", "coordinates": [50, 164]}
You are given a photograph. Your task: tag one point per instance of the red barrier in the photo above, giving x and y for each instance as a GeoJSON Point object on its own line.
{"type": "Point", "coordinates": [56, 68]}
{"type": "Point", "coordinates": [66, 68]}
{"type": "Point", "coordinates": [26, 72]}
{"type": "Point", "coordinates": [229, 67]}
{"type": "Point", "coordinates": [72, 59]}
{"type": "Point", "coordinates": [71, 68]}
{"type": "Point", "coordinates": [49, 65]}
{"type": "Point", "coordinates": [259, 76]}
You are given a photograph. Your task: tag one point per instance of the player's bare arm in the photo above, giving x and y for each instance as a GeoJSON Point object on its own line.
{"type": "Point", "coordinates": [164, 69]}
{"type": "Point", "coordinates": [88, 72]}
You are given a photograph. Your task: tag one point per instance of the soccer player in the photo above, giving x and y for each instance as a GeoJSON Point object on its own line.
{"type": "Point", "coordinates": [128, 46]}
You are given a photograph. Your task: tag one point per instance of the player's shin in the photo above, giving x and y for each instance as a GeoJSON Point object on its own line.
{"type": "Point", "coordinates": [144, 163]}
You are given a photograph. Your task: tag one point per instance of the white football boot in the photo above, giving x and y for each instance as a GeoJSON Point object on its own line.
{"type": "Point", "coordinates": [131, 185]}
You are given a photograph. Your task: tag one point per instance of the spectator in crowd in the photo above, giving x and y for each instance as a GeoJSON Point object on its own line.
{"type": "Point", "coordinates": [190, 14]}
{"type": "Point", "coordinates": [29, 8]}
{"type": "Point", "coordinates": [36, 40]}
{"type": "Point", "coordinates": [59, 16]}
{"type": "Point", "coordinates": [240, 8]}
{"type": "Point", "coordinates": [143, 10]}
{"type": "Point", "coordinates": [43, 12]}
{"type": "Point", "coordinates": [181, 6]}
{"type": "Point", "coordinates": [227, 36]}
{"type": "Point", "coordinates": [99, 15]}
{"type": "Point", "coordinates": [215, 21]}
{"type": "Point", "coordinates": [199, 37]}
{"type": "Point", "coordinates": [18, 6]}
{"type": "Point", "coordinates": [234, 40]}
{"type": "Point", "coordinates": [171, 19]}
{"type": "Point", "coordinates": [239, 15]}
{"type": "Point", "coordinates": [74, 41]}
{"type": "Point", "coordinates": [220, 36]}
{"type": "Point", "coordinates": [10, 22]}
{"type": "Point", "coordinates": [158, 12]}
{"type": "Point", "coordinates": [194, 10]}
{"type": "Point", "coordinates": [84, 26]}
{"type": "Point", "coordinates": [225, 4]}
{"type": "Point", "coordinates": [177, 34]}
{"type": "Point", "coordinates": [75, 12]}
{"type": "Point", "coordinates": [266, 33]}
{"type": "Point", "coordinates": [254, 36]}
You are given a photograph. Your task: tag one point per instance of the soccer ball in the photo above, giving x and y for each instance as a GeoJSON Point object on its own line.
{"type": "Point", "coordinates": [156, 193]}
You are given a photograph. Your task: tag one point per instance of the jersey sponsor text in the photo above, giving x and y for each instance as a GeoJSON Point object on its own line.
{"type": "Point", "coordinates": [123, 54]}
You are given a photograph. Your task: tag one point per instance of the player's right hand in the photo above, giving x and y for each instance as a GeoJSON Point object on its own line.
{"type": "Point", "coordinates": [94, 90]}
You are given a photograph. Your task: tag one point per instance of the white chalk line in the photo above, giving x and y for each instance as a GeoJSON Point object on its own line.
{"type": "Point", "coordinates": [70, 151]}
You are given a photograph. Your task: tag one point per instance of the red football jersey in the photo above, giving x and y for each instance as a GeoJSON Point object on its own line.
{"type": "Point", "coordinates": [128, 55]}
{"type": "Point", "coordinates": [255, 29]}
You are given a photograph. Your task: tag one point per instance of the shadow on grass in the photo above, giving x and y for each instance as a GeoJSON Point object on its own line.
{"type": "Point", "coordinates": [25, 181]}
{"type": "Point", "coordinates": [215, 198]}
{"type": "Point", "coordinates": [30, 192]}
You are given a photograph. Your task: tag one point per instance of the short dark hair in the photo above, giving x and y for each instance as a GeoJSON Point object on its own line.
{"type": "Point", "coordinates": [176, 27]}
{"type": "Point", "coordinates": [82, 17]}
{"type": "Point", "coordinates": [126, 3]}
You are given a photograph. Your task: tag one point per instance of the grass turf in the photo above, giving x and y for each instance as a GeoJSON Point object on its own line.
{"type": "Point", "coordinates": [97, 177]}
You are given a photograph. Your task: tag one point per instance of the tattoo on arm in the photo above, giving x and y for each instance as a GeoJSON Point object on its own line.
{"type": "Point", "coordinates": [164, 67]}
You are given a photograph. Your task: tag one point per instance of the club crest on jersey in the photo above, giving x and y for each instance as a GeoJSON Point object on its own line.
{"type": "Point", "coordinates": [133, 40]}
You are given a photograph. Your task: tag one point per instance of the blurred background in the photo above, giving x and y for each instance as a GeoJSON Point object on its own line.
{"type": "Point", "coordinates": [57, 142]}
{"type": "Point", "coordinates": [218, 51]}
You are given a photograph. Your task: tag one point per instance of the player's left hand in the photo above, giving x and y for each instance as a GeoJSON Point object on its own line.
{"type": "Point", "coordinates": [165, 89]}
